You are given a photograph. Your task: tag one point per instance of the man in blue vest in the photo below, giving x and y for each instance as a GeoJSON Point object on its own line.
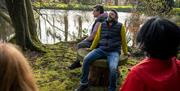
{"type": "Point", "coordinates": [109, 39]}
{"type": "Point", "coordinates": [98, 13]}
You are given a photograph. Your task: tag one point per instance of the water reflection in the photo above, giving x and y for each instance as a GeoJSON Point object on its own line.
{"type": "Point", "coordinates": [66, 25]}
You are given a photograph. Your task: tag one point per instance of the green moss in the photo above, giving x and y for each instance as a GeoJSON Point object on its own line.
{"type": "Point", "coordinates": [51, 69]}
{"type": "Point", "coordinates": [52, 74]}
{"type": "Point", "coordinates": [176, 11]}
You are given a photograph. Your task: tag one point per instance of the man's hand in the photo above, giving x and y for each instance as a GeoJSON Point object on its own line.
{"type": "Point", "coordinates": [88, 49]}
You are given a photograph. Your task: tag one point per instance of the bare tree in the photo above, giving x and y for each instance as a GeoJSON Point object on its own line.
{"type": "Point", "coordinates": [66, 1]}
{"type": "Point", "coordinates": [2, 4]}
{"type": "Point", "coordinates": [116, 2]}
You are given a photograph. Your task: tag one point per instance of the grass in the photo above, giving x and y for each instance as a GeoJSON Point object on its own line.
{"type": "Point", "coordinates": [51, 71]}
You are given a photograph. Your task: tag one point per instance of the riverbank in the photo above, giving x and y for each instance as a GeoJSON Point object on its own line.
{"type": "Point", "coordinates": [44, 5]}
{"type": "Point", "coordinates": [56, 5]}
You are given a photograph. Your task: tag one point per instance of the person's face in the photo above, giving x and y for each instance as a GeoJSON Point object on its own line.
{"type": "Point", "coordinates": [111, 16]}
{"type": "Point", "coordinates": [95, 12]}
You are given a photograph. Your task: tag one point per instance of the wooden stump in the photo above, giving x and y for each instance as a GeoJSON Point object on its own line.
{"type": "Point", "coordinates": [98, 75]}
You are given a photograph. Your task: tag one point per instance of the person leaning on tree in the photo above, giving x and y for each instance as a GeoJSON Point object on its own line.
{"type": "Point", "coordinates": [100, 15]}
{"type": "Point", "coordinates": [159, 38]}
{"type": "Point", "coordinates": [107, 44]}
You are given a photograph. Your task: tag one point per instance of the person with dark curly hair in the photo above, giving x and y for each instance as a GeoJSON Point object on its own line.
{"type": "Point", "coordinates": [159, 38]}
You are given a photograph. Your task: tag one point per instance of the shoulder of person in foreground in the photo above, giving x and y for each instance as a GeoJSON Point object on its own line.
{"type": "Point", "coordinates": [132, 82]}
{"type": "Point", "coordinates": [178, 63]}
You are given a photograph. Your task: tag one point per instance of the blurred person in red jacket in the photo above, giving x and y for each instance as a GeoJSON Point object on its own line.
{"type": "Point", "coordinates": [160, 70]}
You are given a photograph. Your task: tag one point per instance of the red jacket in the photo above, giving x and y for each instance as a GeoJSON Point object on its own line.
{"type": "Point", "coordinates": [154, 75]}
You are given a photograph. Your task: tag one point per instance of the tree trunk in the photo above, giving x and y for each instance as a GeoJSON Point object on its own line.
{"type": "Point", "coordinates": [80, 27]}
{"type": "Point", "coordinates": [5, 16]}
{"type": "Point", "coordinates": [99, 72]}
{"type": "Point", "coordinates": [22, 17]}
{"type": "Point", "coordinates": [78, 1]}
{"type": "Point", "coordinates": [116, 2]}
{"type": "Point", "coordinates": [66, 26]}
{"type": "Point", "coordinates": [85, 1]}
{"type": "Point", "coordinates": [66, 1]}
{"type": "Point", "coordinates": [126, 2]}
{"type": "Point", "coordinates": [3, 5]}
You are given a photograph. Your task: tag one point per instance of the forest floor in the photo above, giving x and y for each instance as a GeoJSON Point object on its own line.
{"type": "Point", "coordinates": [51, 68]}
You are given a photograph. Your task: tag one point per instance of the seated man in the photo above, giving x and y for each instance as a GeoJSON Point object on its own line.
{"type": "Point", "coordinates": [98, 12]}
{"type": "Point", "coordinates": [107, 44]}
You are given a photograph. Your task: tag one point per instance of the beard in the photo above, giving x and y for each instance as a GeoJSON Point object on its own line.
{"type": "Point", "coordinates": [110, 19]}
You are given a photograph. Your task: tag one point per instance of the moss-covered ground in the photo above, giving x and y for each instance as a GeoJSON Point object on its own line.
{"type": "Point", "coordinates": [51, 68]}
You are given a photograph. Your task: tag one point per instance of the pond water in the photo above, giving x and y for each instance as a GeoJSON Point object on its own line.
{"type": "Point", "coordinates": [67, 25]}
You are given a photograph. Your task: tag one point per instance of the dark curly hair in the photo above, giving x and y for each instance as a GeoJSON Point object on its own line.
{"type": "Point", "coordinates": [99, 8]}
{"type": "Point", "coordinates": [159, 38]}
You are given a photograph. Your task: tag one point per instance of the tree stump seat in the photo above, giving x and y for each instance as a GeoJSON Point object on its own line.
{"type": "Point", "coordinates": [98, 75]}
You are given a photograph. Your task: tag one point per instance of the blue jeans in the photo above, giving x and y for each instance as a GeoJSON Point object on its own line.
{"type": "Point", "coordinates": [112, 60]}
